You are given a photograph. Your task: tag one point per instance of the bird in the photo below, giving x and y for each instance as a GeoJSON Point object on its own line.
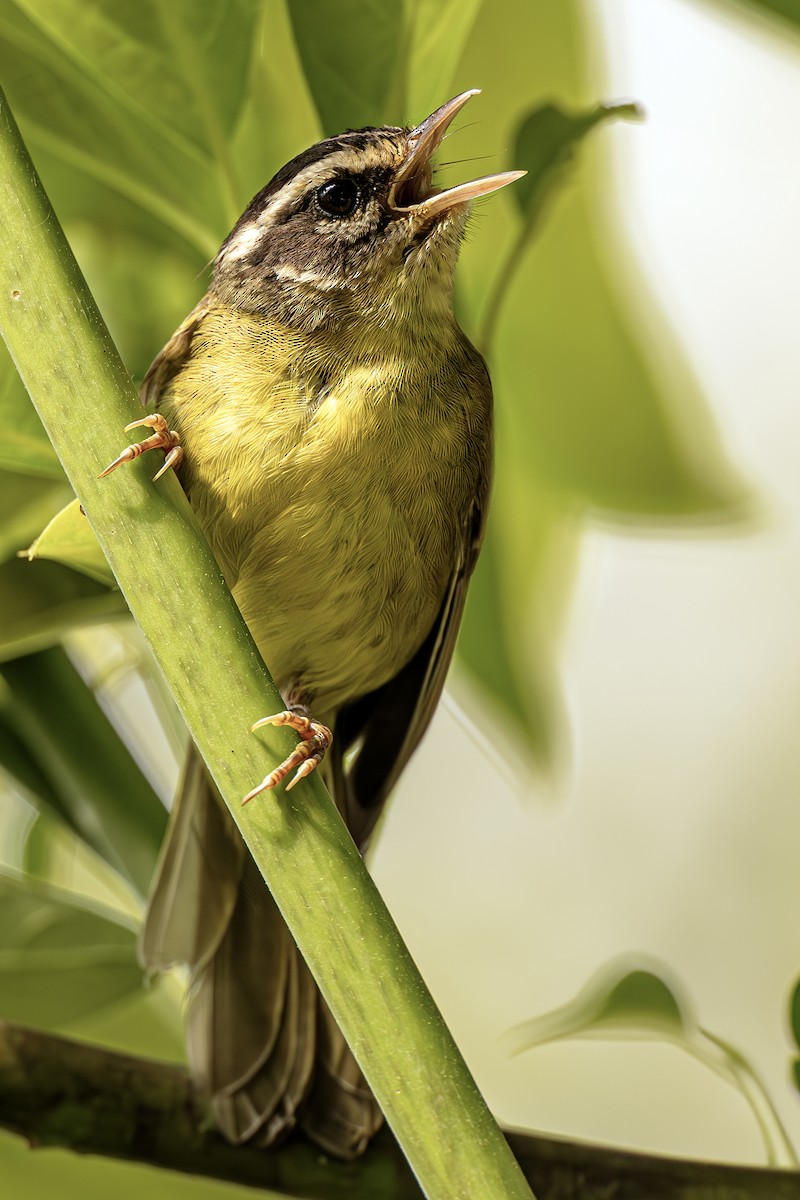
{"type": "Point", "coordinates": [331, 425]}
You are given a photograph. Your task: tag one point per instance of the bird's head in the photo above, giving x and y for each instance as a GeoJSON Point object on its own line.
{"type": "Point", "coordinates": [352, 228]}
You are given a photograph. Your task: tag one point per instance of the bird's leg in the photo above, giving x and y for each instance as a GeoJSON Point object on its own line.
{"type": "Point", "coordinates": [162, 438]}
{"type": "Point", "coordinates": [309, 753]}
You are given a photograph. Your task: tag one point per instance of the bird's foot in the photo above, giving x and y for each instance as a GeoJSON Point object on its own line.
{"type": "Point", "coordinates": [162, 438]}
{"type": "Point", "coordinates": [315, 740]}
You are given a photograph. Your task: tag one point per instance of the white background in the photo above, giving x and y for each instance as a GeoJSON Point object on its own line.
{"type": "Point", "coordinates": [677, 832]}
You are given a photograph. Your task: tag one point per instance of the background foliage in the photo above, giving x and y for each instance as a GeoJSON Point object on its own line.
{"type": "Point", "coordinates": [152, 124]}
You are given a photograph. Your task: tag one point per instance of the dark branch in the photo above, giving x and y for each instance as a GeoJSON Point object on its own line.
{"type": "Point", "coordinates": [55, 1092]}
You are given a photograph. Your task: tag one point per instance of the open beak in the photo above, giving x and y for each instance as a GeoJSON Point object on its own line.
{"type": "Point", "coordinates": [412, 187]}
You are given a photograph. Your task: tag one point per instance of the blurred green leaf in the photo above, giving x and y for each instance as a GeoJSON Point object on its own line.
{"type": "Point", "coordinates": [143, 287]}
{"type": "Point", "coordinates": [644, 1001]}
{"type": "Point", "coordinates": [786, 10]}
{"type": "Point", "coordinates": [151, 59]}
{"type": "Point", "coordinates": [135, 97]}
{"type": "Point", "coordinates": [24, 447]}
{"type": "Point", "coordinates": [392, 62]}
{"type": "Point", "coordinates": [598, 424]}
{"type": "Point", "coordinates": [794, 1017]}
{"type": "Point", "coordinates": [22, 764]}
{"type": "Point", "coordinates": [350, 60]}
{"type": "Point", "coordinates": [26, 502]}
{"type": "Point", "coordinates": [40, 600]}
{"type": "Point", "coordinates": [485, 651]}
{"type": "Point", "coordinates": [43, 843]}
{"type": "Point", "coordinates": [617, 1001]}
{"type": "Point", "coordinates": [626, 999]}
{"type": "Point", "coordinates": [584, 418]}
{"type": "Point", "coordinates": [61, 958]}
{"type": "Point", "coordinates": [62, 748]}
{"type": "Point", "coordinates": [280, 118]}
{"type": "Point", "coordinates": [69, 539]}
{"type": "Point", "coordinates": [641, 467]}
{"type": "Point", "coordinates": [546, 142]}
{"type": "Point", "coordinates": [439, 32]}
{"type": "Point", "coordinates": [507, 641]}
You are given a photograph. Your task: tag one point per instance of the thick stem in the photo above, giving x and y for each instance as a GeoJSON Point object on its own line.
{"type": "Point", "coordinates": [56, 1092]}
{"type": "Point", "coordinates": [176, 593]}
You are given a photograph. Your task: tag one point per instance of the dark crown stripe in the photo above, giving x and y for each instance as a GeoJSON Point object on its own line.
{"type": "Point", "coordinates": [356, 139]}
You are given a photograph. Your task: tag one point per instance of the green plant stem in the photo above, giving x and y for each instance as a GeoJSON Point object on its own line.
{"type": "Point", "coordinates": [175, 591]}
{"type": "Point", "coordinates": [780, 1150]}
{"type": "Point", "coordinates": [57, 1092]}
{"type": "Point", "coordinates": [500, 287]}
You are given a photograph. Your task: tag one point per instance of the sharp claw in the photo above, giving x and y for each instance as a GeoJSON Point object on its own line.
{"type": "Point", "coordinates": [173, 459]}
{"type": "Point", "coordinates": [306, 757]}
{"type": "Point", "coordinates": [262, 787]}
{"type": "Point", "coordinates": [124, 457]}
{"type": "Point", "coordinates": [275, 719]}
{"type": "Point", "coordinates": [142, 421]}
{"type": "Point", "coordinates": [161, 439]}
{"type": "Point", "coordinates": [304, 769]}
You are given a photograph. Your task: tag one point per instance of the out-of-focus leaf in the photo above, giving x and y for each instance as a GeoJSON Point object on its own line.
{"type": "Point", "coordinates": [26, 503]}
{"type": "Point", "coordinates": [585, 411]}
{"type": "Point", "coordinates": [90, 780]}
{"type": "Point", "coordinates": [136, 97]}
{"type": "Point", "coordinates": [153, 59]}
{"type": "Point", "coordinates": [61, 958]}
{"type": "Point", "coordinates": [785, 10]}
{"type": "Point", "coordinates": [69, 539]}
{"type": "Point", "coordinates": [625, 999]}
{"type": "Point", "coordinates": [20, 763]}
{"type": "Point", "coordinates": [507, 647]}
{"type": "Point", "coordinates": [546, 141]}
{"type": "Point", "coordinates": [280, 118]}
{"type": "Point", "coordinates": [39, 600]}
{"type": "Point", "coordinates": [351, 59]}
{"type": "Point", "coordinates": [439, 32]}
{"type": "Point", "coordinates": [616, 1002]}
{"type": "Point", "coordinates": [42, 843]}
{"type": "Point", "coordinates": [24, 445]}
{"type": "Point", "coordinates": [143, 287]}
{"type": "Point", "coordinates": [604, 434]}
{"type": "Point", "coordinates": [484, 648]}
{"type": "Point", "coordinates": [584, 419]}
{"type": "Point", "coordinates": [794, 1016]}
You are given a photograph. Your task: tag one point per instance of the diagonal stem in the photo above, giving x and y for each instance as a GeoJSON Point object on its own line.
{"type": "Point", "coordinates": [176, 592]}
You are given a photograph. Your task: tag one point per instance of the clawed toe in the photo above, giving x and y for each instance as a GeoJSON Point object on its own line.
{"type": "Point", "coordinates": [162, 438]}
{"type": "Point", "coordinates": [307, 755]}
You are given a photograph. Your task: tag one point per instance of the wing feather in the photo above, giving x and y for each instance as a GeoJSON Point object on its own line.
{"type": "Point", "coordinates": [375, 736]}
{"type": "Point", "coordinates": [172, 356]}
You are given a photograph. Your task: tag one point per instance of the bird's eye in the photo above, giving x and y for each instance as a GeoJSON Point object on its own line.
{"type": "Point", "coordinates": [339, 198]}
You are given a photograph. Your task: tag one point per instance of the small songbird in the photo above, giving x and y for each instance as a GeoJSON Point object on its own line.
{"type": "Point", "coordinates": [332, 428]}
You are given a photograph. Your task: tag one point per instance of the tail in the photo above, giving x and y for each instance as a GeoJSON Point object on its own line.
{"type": "Point", "coordinates": [261, 1040]}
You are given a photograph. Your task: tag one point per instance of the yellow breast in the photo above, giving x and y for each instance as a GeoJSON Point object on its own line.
{"type": "Point", "coordinates": [333, 479]}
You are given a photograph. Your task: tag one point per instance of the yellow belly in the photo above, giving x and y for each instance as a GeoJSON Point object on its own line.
{"type": "Point", "coordinates": [334, 497]}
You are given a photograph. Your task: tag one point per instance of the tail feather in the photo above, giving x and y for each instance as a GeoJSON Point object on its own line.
{"type": "Point", "coordinates": [197, 878]}
{"type": "Point", "coordinates": [238, 1000]}
{"type": "Point", "coordinates": [249, 1105]}
{"type": "Point", "coordinates": [341, 1114]}
{"type": "Point", "coordinates": [260, 1040]}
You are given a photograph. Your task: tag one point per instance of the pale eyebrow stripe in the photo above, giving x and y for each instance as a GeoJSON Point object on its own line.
{"type": "Point", "coordinates": [250, 234]}
{"type": "Point", "coordinates": [317, 173]}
